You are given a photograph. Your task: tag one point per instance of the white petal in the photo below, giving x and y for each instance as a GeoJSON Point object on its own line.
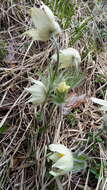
{"type": "Point", "coordinates": [46, 33]}
{"type": "Point", "coordinates": [99, 101]}
{"type": "Point", "coordinates": [37, 82]}
{"type": "Point", "coordinates": [36, 100]}
{"type": "Point", "coordinates": [57, 28]}
{"type": "Point", "coordinates": [31, 89]}
{"type": "Point", "coordinates": [35, 90]}
{"type": "Point", "coordinates": [34, 34]}
{"type": "Point", "coordinates": [44, 19]}
{"type": "Point", "coordinates": [55, 174]}
{"type": "Point", "coordinates": [68, 57]}
{"type": "Point", "coordinates": [38, 92]}
{"type": "Point", "coordinates": [65, 163]}
{"type": "Point", "coordinates": [58, 172]}
{"type": "Point", "coordinates": [54, 157]}
{"type": "Point", "coordinates": [71, 51]}
{"type": "Point", "coordinates": [59, 148]}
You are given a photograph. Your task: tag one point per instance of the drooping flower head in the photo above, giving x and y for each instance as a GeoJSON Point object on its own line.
{"type": "Point", "coordinates": [68, 57]}
{"type": "Point", "coordinates": [38, 92]}
{"type": "Point", "coordinates": [44, 23]}
{"type": "Point", "coordinates": [62, 158]}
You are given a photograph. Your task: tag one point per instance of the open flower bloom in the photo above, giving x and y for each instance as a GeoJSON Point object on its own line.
{"type": "Point", "coordinates": [38, 92]}
{"type": "Point", "coordinates": [62, 87]}
{"type": "Point", "coordinates": [68, 57]}
{"type": "Point", "coordinates": [62, 158]}
{"type": "Point", "coordinates": [44, 23]}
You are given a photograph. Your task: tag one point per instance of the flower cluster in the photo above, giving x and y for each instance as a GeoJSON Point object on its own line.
{"type": "Point", "coordinates": [45, 28]}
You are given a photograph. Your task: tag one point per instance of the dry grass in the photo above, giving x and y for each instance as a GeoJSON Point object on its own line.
{"type": "Point", "coordinates": [23, 139]}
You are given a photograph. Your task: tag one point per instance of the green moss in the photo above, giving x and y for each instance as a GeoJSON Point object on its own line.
{"type": "Point", "coordinates": [3, 50]}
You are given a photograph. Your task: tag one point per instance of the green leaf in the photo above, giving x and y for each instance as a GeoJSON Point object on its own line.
{"type": "Point", "coordinates": [4, 128]}
{"type": "Point", "coordinates": [80, 162]}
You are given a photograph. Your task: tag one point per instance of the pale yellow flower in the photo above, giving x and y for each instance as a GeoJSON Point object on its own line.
{"type": "Point", "coordinates": [62, 87]}
{"type": "Point", "coordinates": [44, 23]}
{"type": "Point", "coordinates": [62, 158]}
{"type": "Point", "coordinates": [68, 57]}
{"type": "Point", "coordinates": [38, 92]}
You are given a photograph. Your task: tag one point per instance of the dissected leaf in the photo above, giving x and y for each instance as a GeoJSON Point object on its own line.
{"type": "Point", "coordinates": [80, 162]}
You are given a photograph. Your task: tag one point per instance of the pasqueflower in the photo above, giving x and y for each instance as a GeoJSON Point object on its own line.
{"type": "Point", "coordinates": [44, 23]}
{"type": "Point", "coordinates": [68, 57]}
{"type": "Point", "coordinates": [62, 159]}
{"type": "Point", "coordinates": [38, 92]}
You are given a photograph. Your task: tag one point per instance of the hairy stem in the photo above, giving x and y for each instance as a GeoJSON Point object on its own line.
{"type": "Point", "coordinates": [57, 51]}
{"type": "Point", "coordinates": [59, 184]}
{"type": "Point", "coordinates": [55, 72]}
